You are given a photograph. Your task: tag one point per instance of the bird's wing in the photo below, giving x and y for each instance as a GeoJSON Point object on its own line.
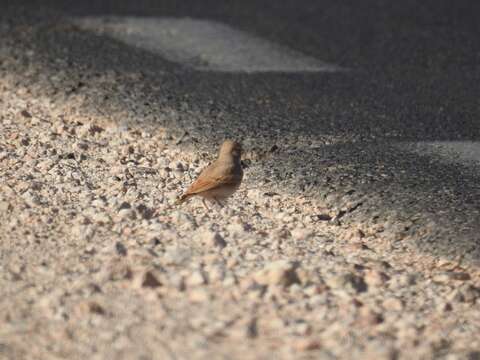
{"type": "Point", "coordinates": [210, 178]}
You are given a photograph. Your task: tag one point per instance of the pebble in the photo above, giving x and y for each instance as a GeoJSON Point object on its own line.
{"type": "Point", "coordinates": [213, 239]}
{"type": "Point", "coordinates": [347, 281]}
{"type": "Point", "coordinates": [375, 278]}
{"type": "Point", "coordinates": [216, 274]}
{"type": "Point", "coordinates": [196, 278]}
{"type": "Point", "coordinates": [402, 281]}
{"type": "Point", "coordinates": [447, 277]}
{"type": "Point", "coordinates": [90, 307]}
{"type": "Point", "coordinates": [5, 206]}
{"type": "Point", "coordinates": [300, 328]}
{"type": "Point", "coordinates": [100, 218]}
{"type": "Point", "coordinates": [120, 248]}
{"type": "Point", "coordinates": [148, 279]}
{"type": "Point", "coordinates": [251, 328]}
{"type": "Point", "coordinates": [306, 344]}
{"type": "Point", "coordinates": [392, 304]}
{"type": "Point", "coordinates": [368, 317]}
{"type": "Point", "coordinates": [115, 270]}
{"type": "Point", "coordinates": [300, 234]}
{"type": "Point", "coordinates": [279, 273]}
{"type": "Point", "coordinates": [465, 293]}
{"type": "Point", "coordinates": [443, 306]}
{"type": "Point", "coordinates": [199, 295]}
{"type": "Point", "coordinates": [184, 220]}
{"type": "Point", "coordinates": [230, 280]}
{"type": "Point", "coordinates": [237, 229]}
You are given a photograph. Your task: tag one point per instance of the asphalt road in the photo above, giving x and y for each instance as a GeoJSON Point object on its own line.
{"type": "Point", "coordinates": [412, 80]}
{"type": "Point", "coordinates": [354, 234]}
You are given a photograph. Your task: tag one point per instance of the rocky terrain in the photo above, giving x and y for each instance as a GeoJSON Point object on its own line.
{"type": "Point", "coordinates": [309, 260]}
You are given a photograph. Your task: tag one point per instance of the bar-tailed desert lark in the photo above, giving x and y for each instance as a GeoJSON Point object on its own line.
{"type": "Point", "coordinates": [220, 179]}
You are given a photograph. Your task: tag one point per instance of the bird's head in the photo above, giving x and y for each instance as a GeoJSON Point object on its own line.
{"type": "Point", "coordinates": [231, 148]}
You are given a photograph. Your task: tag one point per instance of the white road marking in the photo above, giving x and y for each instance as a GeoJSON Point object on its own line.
{"type": "Point", "coordinates": [204, 45]}
{"type": "Point", "coordinates": [463, 152]}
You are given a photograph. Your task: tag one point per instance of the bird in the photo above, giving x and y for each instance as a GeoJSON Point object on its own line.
{"type": "Point", "coordinates": [220, 179]}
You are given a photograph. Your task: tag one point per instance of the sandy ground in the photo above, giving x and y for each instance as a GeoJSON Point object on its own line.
{"type": "Point", "coordinates": [328, 250]}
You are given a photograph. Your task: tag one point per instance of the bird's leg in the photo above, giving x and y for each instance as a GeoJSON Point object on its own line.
{"type": "Point", "coordinates": [205, 204]}
{"type": "Point", "coordinates": [218, 202]}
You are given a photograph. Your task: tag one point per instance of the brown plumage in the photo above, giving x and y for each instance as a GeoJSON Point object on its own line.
{"type": "Point", "coordinates": [220, 179]}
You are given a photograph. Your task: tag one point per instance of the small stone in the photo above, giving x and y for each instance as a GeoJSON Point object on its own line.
{"type": "Point", "coordinates": [306, 344]}
{"type": "Point", "coordinates": [379, 351]}
{"type": "Point", "coordinates": [177, 281]}
{"type": "Point", "coordinates": [302, 234]}
{"type": "Point", "coordinates": [197, 278]}
{"type": "Point", "coordinates": [448, 276]}
{"type": "Point", "coordinates": [236, 229]}
{"type": "Point", "coordinates": [301, 328]}
{"type": "Point", "coordinates": [178, 166]}
{"type": "Point", "coordinates": [213, 239]}
{"type": "Point", "coordinates": [321, 217]}
{"type": "Point", "coordinates": [148, 279]}
{"type": "Point", "coordinates": [116, 270]}
{"type": "Point", "coordinates": [199, 295]}
{"type": "Point", "coordinates": [252, 328]}
{"type": "Point", "coordinates": [354, 234]}
{"type": "Point", "coordinates": [473, 355]}
{"type": "Point", "coordinates": [255, 291]}
{"type": "Point", "coordinates": [375, 278]}
{"type": "Point", "coordinates": [25, 141]}
{"type": "Point", "coordinates": [26, 114]}
{"type": "Point", "coordinates": [184, 220]}
{"type": "Point", "coordinates": [278, 273]}
{"type": "Point", "coordinates": [5, 207]}
{"type": "Point", "coordinates": [45, 165]}
{"type": "Point", "coordinates": [154, 241]}
{"type": "Point", "coordinates": [94, 129]}
{"type": "Point", "coordinates": [443, 306]}
{"type": "Point", "coordinates": [296, 289]}
{"type": "Point", "coordinates": [145, 212]}
{"type": "Point", "coordinates": [120, 248]}
{"type": "Point", "coordinates": [127, 231]}
{"type": "Point", "coordinates": [368, 317]}
{"type": "Point", "coordinates": [401, 281]}
{"type": "Point", "coordinates": [356, 246]}
{"type": "Point", "coordinates": [124, 205]}
{"type": "Point", "coordinates": [127, 214]}
{"type": "Point", "coordinates": [177, 255]}
{"type": "Point", "coordinates": [280, 234]}
{"type": "Point", "coordinates": [82, 146]}
{"type": "Point", "coordinates": [313, 290]}
{"type": "Point", "coordinates": [90, 250]}
{"type": "Point", "coordinates": [91, 307]}
{"type": "Point", "coordinates": [96, 308]}
{"type": "Point", "coordinates": [466, 293]}
{"type": "Point", "coordinates": [392, 304]}
{"type": "Point", "coordinates": [100, 218]}
{"type": "Point", "coordinates": [348, 281]}
{"type": "Point", "coordinates": [98, 203]}
{"type": "Point", "coordinates": [229, 280]}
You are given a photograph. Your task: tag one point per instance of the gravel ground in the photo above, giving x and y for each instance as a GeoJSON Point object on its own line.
{"type": "Point", "coordinates": [320, 254]}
